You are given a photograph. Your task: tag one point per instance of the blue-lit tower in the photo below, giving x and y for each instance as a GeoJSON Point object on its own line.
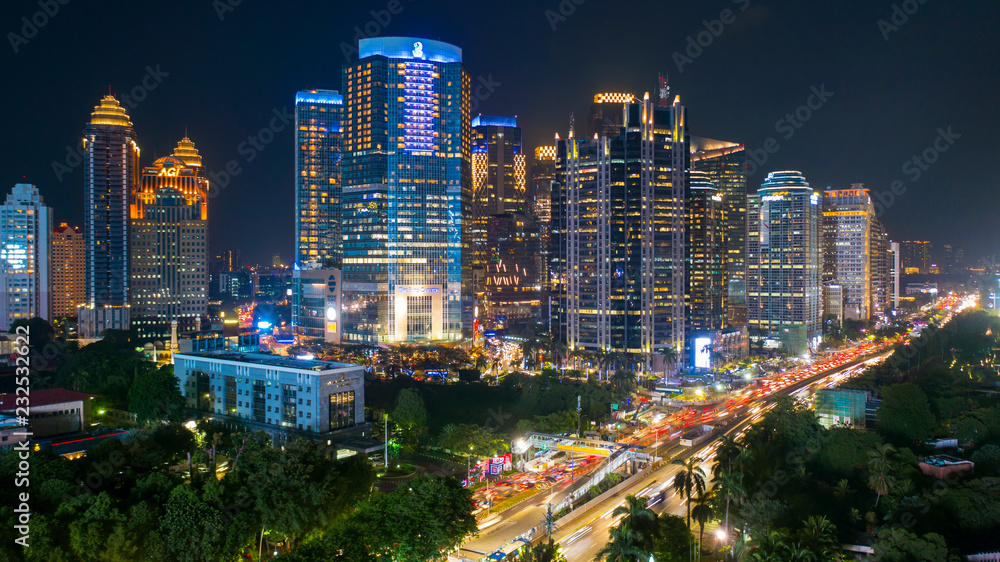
{"type": "Point", "coordinates": [318, 238]}
{"type": "Point", "coordinates": [407, 190]}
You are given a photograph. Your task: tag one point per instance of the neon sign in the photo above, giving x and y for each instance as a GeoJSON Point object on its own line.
{"type": "Point", "coordinates": [169, 172]}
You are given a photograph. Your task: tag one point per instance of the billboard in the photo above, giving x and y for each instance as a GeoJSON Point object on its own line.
{"type": "Point", "coordinates": [702, 352]}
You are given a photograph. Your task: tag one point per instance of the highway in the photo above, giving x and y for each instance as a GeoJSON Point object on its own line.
{"type": "Point", "coordinates": [582, 538]}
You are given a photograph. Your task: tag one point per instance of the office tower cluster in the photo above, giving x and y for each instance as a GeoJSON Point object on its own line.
{"type": "Point", "coordinates": [618, 237]}
{"type": "Point", "coordinates": [417, 221]}
{"type": "Point", "coordinates": [140, 260]}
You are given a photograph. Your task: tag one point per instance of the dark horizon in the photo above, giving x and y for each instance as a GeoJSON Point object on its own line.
{"type": "Point", "coordinates": [221, 73]}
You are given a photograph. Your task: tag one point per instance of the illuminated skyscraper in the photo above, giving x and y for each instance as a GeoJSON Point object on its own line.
{"type": "Point", "coordinates": [407, 192]}
{"type": "Point", "coordinates": [725, 163]}
{"type": "Point", "coordinates": [543, 173]}
{"type": "Point", "coordinates": [111, 174]}
{"type": "Point", "coordinates": [618, 235]}
{"type": "Point", "coordinates": [505, 238]}
{"type": "Point", "coordinates": [916, 256]}
{"type": "Point", "coordinates": [705, 274]}
{"type": "Point", "coordinates": [68, 270]}
{"type": "Point", "coordinates": [784, 257]}
{"type": "Point", "coordinates": [318, 237]}
{"type": "Point", "coordinates": [848, 252]}
{"type": "Point", "coordinates": [169, 233]}
{"type": "Point", "coordinates": [881, 262]}
{"type": "Point", "coordinates": [25, 263]}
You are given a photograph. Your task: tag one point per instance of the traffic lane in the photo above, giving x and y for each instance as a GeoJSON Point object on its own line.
{"type": "Point", "coordinates": [584, 539]}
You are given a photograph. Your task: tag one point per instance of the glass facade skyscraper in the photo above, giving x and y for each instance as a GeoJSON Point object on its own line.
{"type": "Point", "coordinates": [725, 163]}
{"type": "Point", "coordinates": [407, 190]}
{"type": "Point", "coordinates": [704, 273]}
{"type": "Point", "coordinates": [111, 173]}
{"type": "Point", "coordinates": [318, 237]}
{"type": "Point", "coordinates": [784, 257]}
{"type": "Point", "coordinates": [618, 235]}
{"type": "Point", "coordinates": [848, 251]}
{"type": "Point", "coordinates": [25, 262]}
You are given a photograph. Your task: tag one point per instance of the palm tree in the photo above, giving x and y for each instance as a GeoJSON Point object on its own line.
{"type": "Point", "coordinates": [689, 482]}
{"type": "Point", "coordinates": [729, 484]}
{"type": "Point", "coordinates": [842, 489]}
{"type": "Point", "coordinates": [670, 358]}
{"type": "Point", "coordinates": [880, 478]}
{"type": "Point", "coordinates": [623, 546]}
{"type": "Point", "coordinates": [635, 536]}
{"type": "Point", "coordinates": [728, 450]}
{"type": "Point", "coordinates": [702, 513]}
{"type": "Point", "coordinates": [543, 552]}
{"type": "Point", "coordinates": [821, 536]}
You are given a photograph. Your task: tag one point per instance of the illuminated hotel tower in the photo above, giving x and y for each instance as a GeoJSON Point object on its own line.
{"type": "Point", "coordinates": [111, 173]}
{"type": "Point", "coordinates": [25, 272]}
{"type": "Point", "coordinates": [68, 270]}
{"type": "Point", "coordinates": [784, 257]}
{"type": "Point", "coordinates": [618, 234]}
{"type": "Point", "coordinates": [407, 188]}
{"type": "Point", "coordinates": [169, 228]}
{"type": "Point", "coordinates": [318, 237]}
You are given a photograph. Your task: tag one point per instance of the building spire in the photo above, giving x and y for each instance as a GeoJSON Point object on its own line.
{"type": "Point", "coordinates": [664, 90]}
{"type": "Point", "coordinates": [571, 125]}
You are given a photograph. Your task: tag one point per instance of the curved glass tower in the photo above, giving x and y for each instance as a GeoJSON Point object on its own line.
{"type": "Point", "coordinates": [784, 256]}
{"type": "Point", "coordinates": [407, 188]}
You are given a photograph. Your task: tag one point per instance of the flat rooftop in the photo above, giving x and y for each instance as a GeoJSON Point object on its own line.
{"type": "Point", "coordinates": [273, 361]}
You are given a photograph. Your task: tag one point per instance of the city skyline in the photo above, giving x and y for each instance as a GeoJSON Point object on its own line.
{"type": "Point", "coordinates": [881, 129]}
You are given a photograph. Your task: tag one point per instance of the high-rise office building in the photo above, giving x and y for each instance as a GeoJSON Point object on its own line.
{"type": "Point", "coordinates": [543, 173]}
{"type": "Point", "coordinates": [407, 191]}
{"type": "Point", "coordinates": [618, 235]}
{"type": "Point", "coordinates": [895, 272]}
{"type": "Point", "coordinates": [916, 256]}
{"type": "Point", "coordinates": [704, 272]}
{"type": "Point", "coordinates": [848, 258]}
{"type": "Point", "coordinates": [881, 259]}
{"type": "Point", "coordinates": [68, 270]}
{"type": "Point", "coordinates": [784, 256]}
{"type": "Point", "coordinates": [606, 116]}
{"type": "Point", "coordinates": [512, 289]}
{"type": "Point", "coordinates": [725, 163]}
{"type": "Point", "coordinates": [169, 235]}
{"type": "Point", "coordinates": [318, 237]}
{"type": "Point", "coordinates": [25, 262]}
{"type": "Point", "coordinates": [111, 174]}
{"type": "Point", "coordinates": [505, 240]}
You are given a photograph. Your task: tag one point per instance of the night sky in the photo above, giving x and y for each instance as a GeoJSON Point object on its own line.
{"type": "Point", "coordinates": [227, 76]}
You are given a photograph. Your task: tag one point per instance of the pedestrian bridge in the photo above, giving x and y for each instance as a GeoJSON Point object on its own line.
{"type": "Point", "coordinates": [617, 455]}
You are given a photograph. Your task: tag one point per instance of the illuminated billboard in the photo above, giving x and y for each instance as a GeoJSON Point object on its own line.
{"type": "Point", "coordinates": [702, 352]}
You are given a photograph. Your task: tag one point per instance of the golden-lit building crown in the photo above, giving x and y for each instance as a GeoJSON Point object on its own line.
{"type": "Point", "coordinates": [547, 152]}
{"type": "Point", "coordinates": [614, 97]}
{"type": "Point", "coordinates": [187, 152]}
{"type": "Point", "coordinates": [110, 112]}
